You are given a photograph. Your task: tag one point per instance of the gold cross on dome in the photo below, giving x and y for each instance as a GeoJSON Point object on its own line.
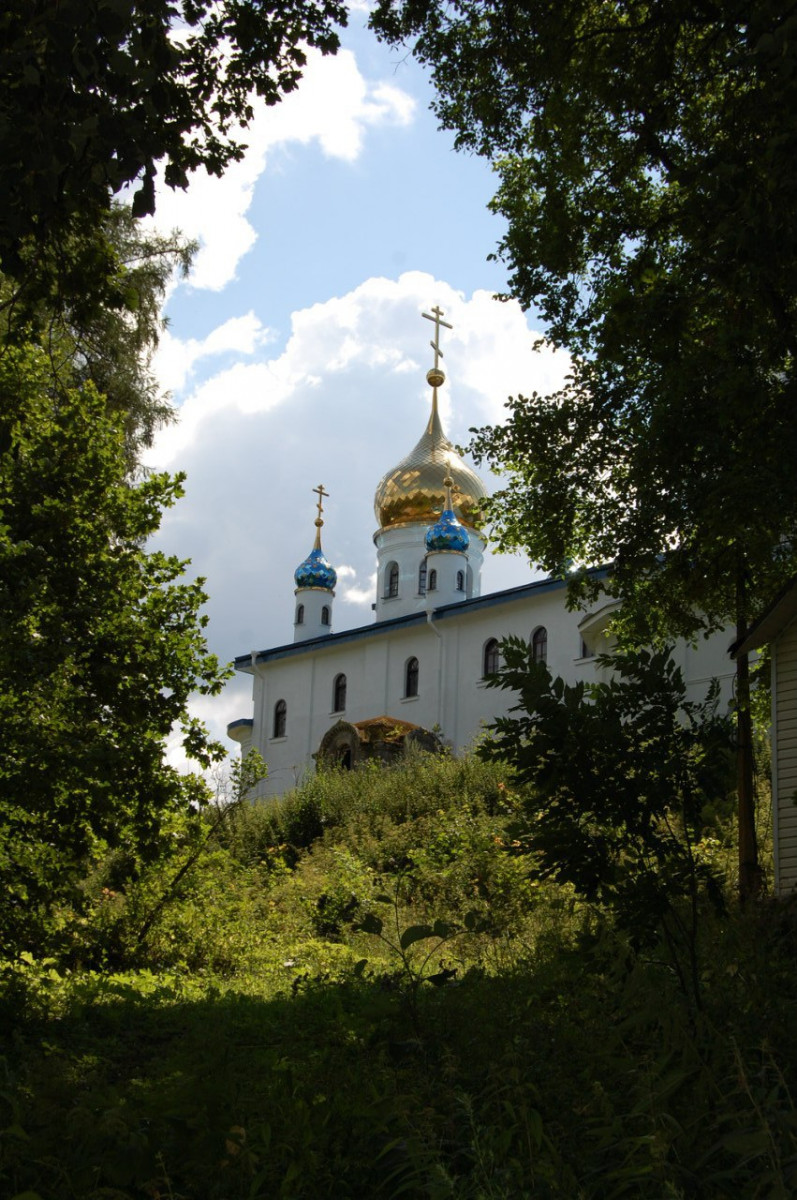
{"type": "Point", "coordinates": [319, 491]}
{"type": "Point", "coordinates": [438, 321]}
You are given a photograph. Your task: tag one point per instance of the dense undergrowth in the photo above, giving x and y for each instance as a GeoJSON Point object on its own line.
{"type": "Point", "coordinates": [363, 991]}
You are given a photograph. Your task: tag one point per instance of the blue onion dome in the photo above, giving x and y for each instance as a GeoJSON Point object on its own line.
{"type": "Point", "coordinates": [316, 571]}
{"type": "Point", "coordinates": [447, 533]}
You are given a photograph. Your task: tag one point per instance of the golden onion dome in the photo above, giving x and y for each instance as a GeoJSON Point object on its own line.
{"type": "Point", "coordinates": [414, 491]}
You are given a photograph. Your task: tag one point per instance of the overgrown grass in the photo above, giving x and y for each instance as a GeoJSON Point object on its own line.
{"type": "Point", "coordinates": [261, 1043]}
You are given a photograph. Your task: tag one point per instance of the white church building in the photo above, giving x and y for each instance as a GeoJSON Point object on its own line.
{"type": "Point", "coordinates": [421, 665]}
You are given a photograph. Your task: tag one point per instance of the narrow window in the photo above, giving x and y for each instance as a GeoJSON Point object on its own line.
{"type": "Point", "coordinates": [325, 615]}
{"type": "Point", "coordinates": [460, 581]}
{"type": "Point", "coordinates": [339, 693]}
{"type": "Point", "coordinates": [411, 677]}
{"type": "Point", "coordinates": [433, 580]}
{"type": "Point", "coordinates": [422, 578]}
{"type": "Point", "coordinates": [539, 645]}
{"type": "Point", "coordinates": [585, 650]}
{"type": "Point", "coordinates": [300, 615]}
{"type": "Point", "coordinates": [490, 657]}
{"type": "Point", "coordinates": [280, 718]}
{"type": "Point", "coordinates": [392, 581]}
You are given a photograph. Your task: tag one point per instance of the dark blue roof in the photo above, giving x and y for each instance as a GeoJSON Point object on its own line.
{"type": "Point", "coordinates": [461, 608]}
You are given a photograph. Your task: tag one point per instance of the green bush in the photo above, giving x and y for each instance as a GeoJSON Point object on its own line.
{"type": "Point", "coordinates": [261, 1043]}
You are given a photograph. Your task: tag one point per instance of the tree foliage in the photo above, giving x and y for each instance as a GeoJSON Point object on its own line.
{"type": "Point", "coordinates": [647, 157]}
{"type": "Point", "coordinates": [97, 93]}
{"type": "Point", "coordinates": [619, 774]}
{"type": "Point", "coordinates": [101, 644]}
{"type": "Point", "coordinates": [99, 96]}
{"type": "Point", "coordinates": [109, 344]}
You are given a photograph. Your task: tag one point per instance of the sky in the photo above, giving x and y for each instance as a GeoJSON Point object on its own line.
{"type": "Point", "coordinates": [296, 354]}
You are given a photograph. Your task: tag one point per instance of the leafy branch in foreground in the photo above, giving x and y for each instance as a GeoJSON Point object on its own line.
{"type": "Point", "coordinates": [401, 941]}
{"type": "Point", "coordinates": [101, 645]}
{"type": "Point", "coordinates": [99, 95]}
{"type": "Point", "coordinates": [617, 775]}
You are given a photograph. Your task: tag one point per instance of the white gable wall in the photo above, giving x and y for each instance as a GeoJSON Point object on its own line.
{"type": "Point", "coordinates": [452, 696]}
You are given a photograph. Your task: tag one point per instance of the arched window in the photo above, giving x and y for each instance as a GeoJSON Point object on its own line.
{"type": "Point", "coordinates": [539, 645]}
{"type": "Point", "coordinates": [300, 615]}
{"type": "Point", "coordinates": [339, 693]}
{"type": "Point", "coordinates": [280, 718]}
{"type": "Point", "coordinates": [411, 677]}
{"type": "Point", "coordinates": [391, 580]}
{"type": "Point", "coordinates": [433, 580]}
{"type": "Point", "coordinates": [460, 581]}
{"type": "Point", "coordinates": [325, 615]}
{"type": "Point", "coordinates": [422, 578]}
{"type": "Point", "coordinates": [490, 657]}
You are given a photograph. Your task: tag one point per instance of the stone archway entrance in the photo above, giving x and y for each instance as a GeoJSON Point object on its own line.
{"type": "Point", "coordinates": [380, 739]}
{"type": "Point", "coordinates": [340, 746]}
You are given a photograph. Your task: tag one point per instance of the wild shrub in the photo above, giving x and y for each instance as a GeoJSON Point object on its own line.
{"type": "Point", "coordinates": [617, 775]}
{"type": "Point", "coordinates": [212, 922]}
{"type": "Point", "coordinates": [333, 885]}
{"type": "Point", "coordinates": [254, 1052]}
{"type": "Point", "coordinates": [335, 799]}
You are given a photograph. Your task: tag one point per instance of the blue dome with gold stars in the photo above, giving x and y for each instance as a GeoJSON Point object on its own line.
{"type": "Point", "coordinates": [447, 533]}
{"type": "Point", "coordinates": [315, 571]}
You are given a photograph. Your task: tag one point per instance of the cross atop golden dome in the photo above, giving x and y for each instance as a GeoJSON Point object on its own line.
{"type": "Point", "coordinates": [414, 491]}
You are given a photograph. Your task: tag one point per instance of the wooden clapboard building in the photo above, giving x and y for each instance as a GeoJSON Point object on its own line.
{"type": "Point", "coordinates": [777, 628]}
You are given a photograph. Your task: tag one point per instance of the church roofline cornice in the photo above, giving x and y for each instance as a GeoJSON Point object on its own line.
{"type": "Point", "coordinates": [246, 662]}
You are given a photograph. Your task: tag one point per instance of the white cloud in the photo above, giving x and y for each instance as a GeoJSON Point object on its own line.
{"type": "Point", "coordinates": [174, 359]}
{"type": "Point", "coordinates": [362, 597]}
{"type": "Point", "coordinates": [354, 593]}
{"type": "Point", "coordinates": [488, 323]}
{"type": "Point", "coordinates": [334, 105]}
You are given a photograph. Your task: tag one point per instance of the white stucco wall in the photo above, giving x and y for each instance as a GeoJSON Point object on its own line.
{"type": "Point", "coordinates": [451, 694]}
{"type": "Point", "coordinates": [405, 545]}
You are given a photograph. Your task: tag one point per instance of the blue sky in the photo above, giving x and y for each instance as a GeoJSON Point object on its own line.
{"type": "Point", "coordinates": [296, 353]}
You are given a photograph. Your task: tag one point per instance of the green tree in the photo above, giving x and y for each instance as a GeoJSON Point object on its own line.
{"type": "Point", "coordinates": [647, 157]}
{"type": "Point", "coordinates": [101, 645]}
{"type": "Point", "coordinates": [110, 344]}
{"type": "Point", "coordinates": [618, 775]}
{"type": "Point", "coordinates": [98, 95]}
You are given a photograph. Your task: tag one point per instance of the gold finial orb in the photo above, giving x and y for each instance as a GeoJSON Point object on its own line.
{"type": "Point", "coordinates": [410, 494]}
